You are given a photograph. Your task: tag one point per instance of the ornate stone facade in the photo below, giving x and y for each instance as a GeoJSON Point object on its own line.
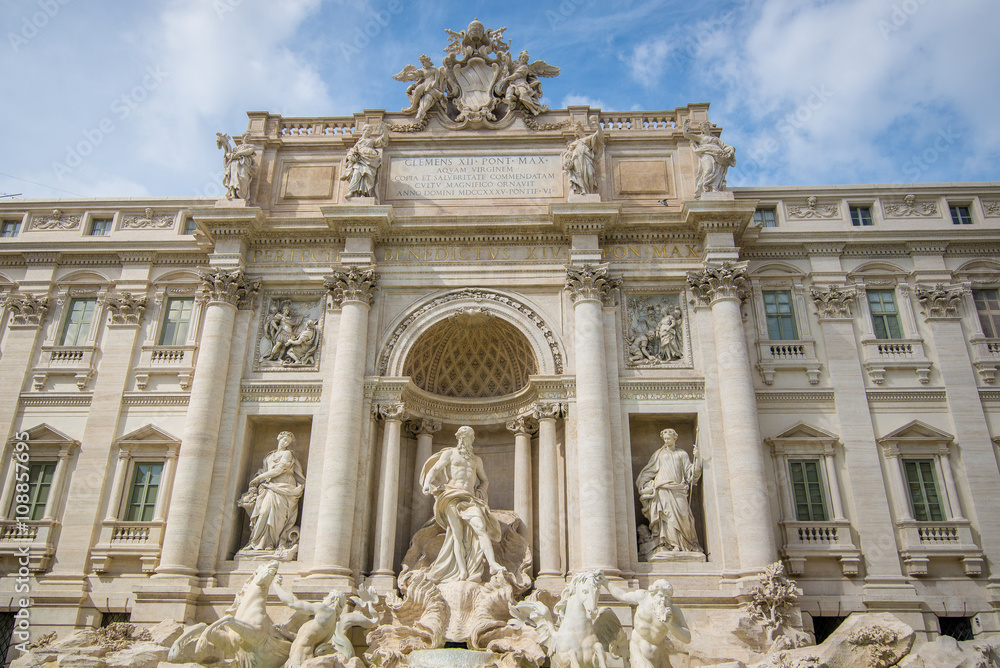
{"type": "Point", "coordinates": [830, 389]}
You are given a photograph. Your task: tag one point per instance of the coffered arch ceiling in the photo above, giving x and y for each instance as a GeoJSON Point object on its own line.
{"type": "Point", "coordinates": [471, 355]}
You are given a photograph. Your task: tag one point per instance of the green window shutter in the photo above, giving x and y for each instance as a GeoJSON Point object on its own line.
{"type": "Point", "coordinates": [807, 490]}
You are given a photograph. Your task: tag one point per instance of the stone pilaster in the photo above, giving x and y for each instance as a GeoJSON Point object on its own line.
{"type": "Point", "coordinates": [422, 504]}
{"type": "Point", "coordinates": [590, 287]}
{"type": "Point", "coordinates": [549, 561]}
{"type": "Point", "coordinates": [227, 291]}
{"type": "Point", "coordinates": [18, 347]}
{"type": "Point", "coordinates": [388, 496]}
{"type": "Point", "coordinates": [723, 286]}
{"type": "Point", "coordinates": [521, 429]}
{"type": "Point", "coordinates": [353, 291]}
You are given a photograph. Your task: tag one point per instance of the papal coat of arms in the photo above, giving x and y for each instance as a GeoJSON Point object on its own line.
{"type": "Point", "coordinates": [478, 84]}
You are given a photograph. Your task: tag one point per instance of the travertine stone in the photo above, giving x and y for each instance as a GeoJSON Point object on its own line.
{"type": "Point", "coordinates": [549, 561]}
{"type": "Point", "coordinates": [388, 494]}
{"type": "Point", "coordinates": [522, 473]}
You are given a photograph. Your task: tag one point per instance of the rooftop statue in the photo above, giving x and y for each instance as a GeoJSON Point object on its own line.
{"type": "Point", "coordinates": [362, 162]}
{"type": "Point", "coordinates": [478, 84]}
{"type": "Point", "coordinates": [715, 157]}
{"type": "Point", "coordinates": [578, 160]}
{"type": "Point", "coordinates": [240, 165]}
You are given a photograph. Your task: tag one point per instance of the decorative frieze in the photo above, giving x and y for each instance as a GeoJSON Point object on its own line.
{"type": "Point", "coordinates": [909, 207]}
{"type": "Point", "coordinates": [261, 393]}
{"type": "Point", "coordinates": [813, 209]}
{"type": "Point", "coordinates": [124, 309]}
{"type": "Point", "coordinates": [591, 282]}
{"type": "Point", "coordinates": [148, 220]}
{"type": "Point", "coordinates": [653, 330]}
{"type": "Point", "coordinates": [727, 280]}
{"type": "Point", "coordinates": [353, 284]}
{"type": "Point", "coordinates": [991, 208]}
{"type": "Point", "coordinates": [940, 301]}
{"type": "Point", "coordinates": [834, 301]}
{"type": "Point", "coordinates": [57, 220]}
{"type": "Point", "coordinates": [26, 309]}
{"type": "Point", "coordinates": [661, 390]}
{"type": "Point", "coordinates": [230, 287]}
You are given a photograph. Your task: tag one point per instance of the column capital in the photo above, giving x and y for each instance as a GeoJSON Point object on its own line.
{"type": "Point", "coordinates": [394, 411]}
{"type": "Point", "coordinates": [520, 426]}
{"type": "Point", "coordinates": [833, 301]}
{"type": "Point", "coordinates": [940, 301]}
{"type": "Point", "coordinates": [229, 287]}
{"type": "Point", "coordinates": [727, 280]}
{"type": "Point", "coordinates": [126, 309]}
{"type": "Point", "coordinates": [543, 410]}
{"type": "Point", "coordinates": [26, 309]}
{"type": "Point", "coordinates": [352, 284]}
{"type": "Point", "coordinates": [591, 281]}
{"type": "Point", "coordinates": [424, 426]}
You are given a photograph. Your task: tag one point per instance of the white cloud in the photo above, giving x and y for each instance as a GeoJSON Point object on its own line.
{"type": "Point", "coordinates": [648, 60]}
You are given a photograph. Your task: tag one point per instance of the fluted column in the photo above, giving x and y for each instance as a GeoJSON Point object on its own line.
{"type": "Point", "coordinates": [589, 287]}
{"type": "Point", "coordinates": [388, 495]}
{"type": "Point", "coordinates": [422, 504]}
{"type": "Point", "coordinates": [549, 562]}
{"type": "Point", "coordinates": [227, 291]}
{"type": "Point", "coordinates": [522, 473]}
{"type": "Point", "coordinates": [724, 286]}
{"type": "Point", "coordinates": [353, 290]}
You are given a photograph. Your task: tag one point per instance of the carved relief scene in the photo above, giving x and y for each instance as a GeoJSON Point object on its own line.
{"type": "Point", "coordinates": [290, 332]}
{"type": "Point", "coordinates": [655, 330]}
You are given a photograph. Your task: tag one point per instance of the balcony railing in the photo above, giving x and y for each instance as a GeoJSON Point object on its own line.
{"type": "Point", "coordinates": [120, 539]}
{"type": "Point", "coordinates": [986, 358]}
{"type": "Point", "coordinates": [76, 361]}
{"type": "Point", "coordinates": [922, 541]}
{"type": "Point", "coordinates": [36, 536]}
{"type": "Point", "coordinates": [814, 540]}
{"type": "Point", "coordinates": [175, 361]}
{"type": "Point", "coordinates": [884, 354]}
{"type": "Point", "coordinates": [795, 355]}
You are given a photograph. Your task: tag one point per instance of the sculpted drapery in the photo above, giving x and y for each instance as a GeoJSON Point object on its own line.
{"type": "Point", "coordinates": [273, 498]}
{"type": "Point", "coordinates": [665, 485]}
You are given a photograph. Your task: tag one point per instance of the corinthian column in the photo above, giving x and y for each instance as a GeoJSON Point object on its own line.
{"type": "Point", "coordinates": [590, 287]}
{"type": "Point", "coordinates": [352, 290]}
{"type": "Point", "coordinates": [388, 497]}
{"type": "Point", "coordinates": [422, 504]}
{"type": "Point", "coordinates": [522, 473]}
{"type": "Point", "coordinates": [548, 491]}
{"type": "Point", "coordinates": [227, 291]}
{"type": "Point", "coordinates": [724, 286]}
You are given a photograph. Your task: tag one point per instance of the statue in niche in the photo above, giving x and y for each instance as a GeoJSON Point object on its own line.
{"type": "Point", "coordinates": [361, 164]}
{"type": "Point", "coordinates": [654, 333]}
{"type": "Point", "coordinates": [578, 160]}
{"type": "Point", "coordinates": [655, 622]}
{"type": "Point", "coordinates": [523, 87]}
{"type": "Point", "coordinates": [273, 502]}
{"type": "Point", "coordinates": [457, 480]}
{"type": "Point", "coordinates": [240, 165]}
{"type": "Point", "coordinates": [715, 157]}
{"type": "Point", "coordinates": [666, 485]}
{"type": "Point", "coordinates": [288, 340]}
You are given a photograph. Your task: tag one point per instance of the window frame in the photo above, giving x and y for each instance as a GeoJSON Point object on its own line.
{"type": "Point", "coordinates": [129, 504]}
{"type": "Point", "coordinates": [955, 207]}
{"type": "Point", "coordinates": [15, 222]}
{"type": "Point", "coordinates": [46, 445]}
{"type": "Point", "coordinates": [165, 320]}
{"type": "Point", "coordinates": [995, 333]}
{"type": "Point", "coordinates": [33, 506]}
{"type": "Point", "coordinates": [780, 317]}
{"type": "Point", "coordinates": [820, 488]}
{"type": "Point", "coordinates": [772, 209]}
{"type": "Point", "coordinates": [873, 316]}
{"type": "Point", "coordinates": [859, 206]}
{"type": "Point", "coordinates": [67, 322]}
{"type": "Point", "coordinates": [146, 445]}
{"type": "Point", "coordinates": [923, 506]}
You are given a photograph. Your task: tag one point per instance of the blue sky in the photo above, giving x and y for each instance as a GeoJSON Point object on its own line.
{"type": "Point", "coordinates": [115, 99]}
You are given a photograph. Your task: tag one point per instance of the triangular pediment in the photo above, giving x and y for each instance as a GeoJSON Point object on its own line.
{"type": "Point", "coordinates": [149, 434]}
{"type": "Point", "coordinates": [916, 430]}
{"type": "Point", "coordinates": [801, 431]}
{"type": "Point", "coordinates": [45, 433]}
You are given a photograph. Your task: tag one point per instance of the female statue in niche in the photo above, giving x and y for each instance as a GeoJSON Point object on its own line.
{"type": "Point", "coordinates": [665, 485]}
{"type": "Point", "coordinates": [273, 500]}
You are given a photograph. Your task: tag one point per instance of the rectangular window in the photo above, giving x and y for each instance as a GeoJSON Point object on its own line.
{"type": "Point", "coordinates": [190, 227]}
{"type": "Point", "coordinates": [960, 215]}
{"type": "Point", "coordinates": [10, 228]}
{"type": "Point", "coordinates": [81, 313]}
{"type": "Point", "coordinates": [988, 307]}
{"type": "Point", "coordinates": [39, 484]}
{"type": "Point", "coordinates": [100, 227]}
{"type": "Point", "coordinates": [807, 490]}
{"type": "Point", "coordinates": [765, 218]}
{"type": "Point", "coordinates": [142, 497]}
{"type": "Point", "coordinates": [885, 317]}
{"type": "Point", "coordinates": [780, 315]}
{"type": "Point", "coordinates": [924, 499]}
{"type": "Point", "coordinates": [177, 321]}
{"type": "Point", "coordinates": [6, 635]}
{"type": "Point", "coordinates": [861, 216]}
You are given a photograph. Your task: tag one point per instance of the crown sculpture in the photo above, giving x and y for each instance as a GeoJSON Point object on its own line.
{"type": "Point", "coordinates": [479, 84]}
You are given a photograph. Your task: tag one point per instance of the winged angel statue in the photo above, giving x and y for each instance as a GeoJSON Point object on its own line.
{"type": "Point", "coordinates": [478, 82]}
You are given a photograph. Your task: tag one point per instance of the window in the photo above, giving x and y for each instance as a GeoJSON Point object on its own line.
{"type": "Point", "coordinates": [988, 307]}
{"type": "Point", "coordinates": [823, 627]}
{"type": "Point", "coordinates": [142, 497]}
{"type": "Point", "coordinates": [100, 227]}
{"type": "Point", "coordinates": [40, 476]}
{"type": "Point", "coordinates": [807, 490]}
{"type": "Point", "coordinates": [861, 216]}
{"type": "Point", "coordinates": [109, 618]}
{"type": "Point", "coordinates": [959, 628]}
{"type": "Point", "coordinates": [924, 498]}
{"type": "Point", "coordinates": [190, 227]}
{"type": "Point", "coordinates": [885, 317]}
{"type": "Point", "coordinates": [960, 215]}
{"type": "Point", "coordinates": [6, 635]}
{"type": "Point", "coordinates": [177, 321]}
{"type": "Point", "coordinates": [81, 313]}
{"type": "Point", "coordinates": [765, 218]}
{"type": "Point", "coordinates": [780, 316]}
{"type": "Point", "coordinates": [10, 228]}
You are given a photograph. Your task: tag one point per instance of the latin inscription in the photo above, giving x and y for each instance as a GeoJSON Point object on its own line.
{"type": "Point", "coordinates": [476, 177]}
{"type": "Point", "coordinates": [294, 256]}
{"type": "Point", "coordinates": [623, 252]}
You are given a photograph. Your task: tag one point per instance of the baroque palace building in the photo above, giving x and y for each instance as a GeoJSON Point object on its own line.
{"type": "Point", "coordinates": [827, 356]}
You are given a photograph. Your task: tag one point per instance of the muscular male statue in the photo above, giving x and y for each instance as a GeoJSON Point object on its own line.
{"type": "Point", "coordinates": [457, 479]}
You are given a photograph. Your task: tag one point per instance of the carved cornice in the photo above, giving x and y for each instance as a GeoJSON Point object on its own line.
{"type": "Point", "coordinates": [940, 301]}
{"type": "Point", "coordinates": [230, 287]}
{"type": "Point", "coordinates": [124, 309]}
{"type": "Point", "coordinates": [591, 282]}
{"type": "Point", "coordinates": [834, 301]}
{"type": "Point", "coordinates": [727, 280]}
{"type": "Point", "coordinates": [26, 309]}
{"type": "Point", "coordinates": [353, 284]}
